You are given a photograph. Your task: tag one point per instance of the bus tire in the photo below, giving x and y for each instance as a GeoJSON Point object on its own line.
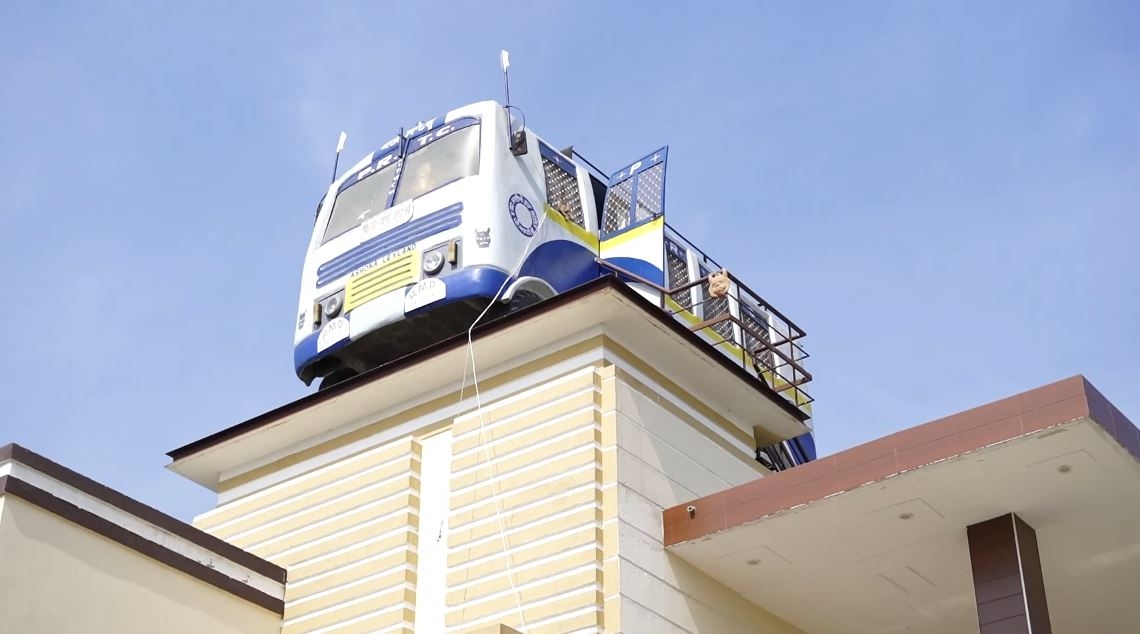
{"type": "Point", "coordinates": [521, 299]}
{"type": "Point", "coordinates": [527, 291]}
{"type": "Point", "coordinates": [338, 376]}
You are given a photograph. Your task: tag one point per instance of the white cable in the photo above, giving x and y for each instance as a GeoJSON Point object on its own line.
{"type": "Point", "coordinates": [482, 420]}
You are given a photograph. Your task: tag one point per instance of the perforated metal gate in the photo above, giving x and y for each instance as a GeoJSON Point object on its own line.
{"type": "Point", "coordinates": [715, 307]}
{"type": "Point", "coordinates": [677, 267]}
{"type": "Point", "coordinates": [636, 194]}
{"type": "Point", "coordinates": [650, 185]}
{"type": "Point", "coordinates": [619, 199]}
{"type": "Point", "coordinates": [562, 192]}
{"type": "Point", "coordinates": [757, 337]}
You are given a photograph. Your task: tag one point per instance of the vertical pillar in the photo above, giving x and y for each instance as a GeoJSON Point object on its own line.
{"type": "Point", "coordinates": [1008, 586]}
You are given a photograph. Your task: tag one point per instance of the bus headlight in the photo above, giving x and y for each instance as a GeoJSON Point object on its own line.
{"type": "Point", "coordinates": [327, 308]}
{"type": "Point", "coordinates": [433, 261]}
{"type": "Point", "coordinates": [333, 305]}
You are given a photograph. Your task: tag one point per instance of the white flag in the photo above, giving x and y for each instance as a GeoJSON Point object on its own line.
{"type": "Point", "coordinates": [340, 142]}
{"type": "Point", "coordinates": [504, 60]}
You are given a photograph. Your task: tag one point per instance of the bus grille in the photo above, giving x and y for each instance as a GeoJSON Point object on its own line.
{"type": "Point", "coordinates": [389, 242]}
{"type": "Point", "coordinates": [383, 278]}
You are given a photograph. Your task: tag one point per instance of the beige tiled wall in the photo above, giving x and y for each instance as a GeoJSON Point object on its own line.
{"type": "Point", "coordinates": [554, 500]}
{"type": "Point", "coordinates": [525, 491]}
{"type": "Point", "coordinates": [346, 533]}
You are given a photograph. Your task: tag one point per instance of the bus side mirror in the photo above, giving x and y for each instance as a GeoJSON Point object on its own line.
{"type": "Point", "coordinates": [518, 143]}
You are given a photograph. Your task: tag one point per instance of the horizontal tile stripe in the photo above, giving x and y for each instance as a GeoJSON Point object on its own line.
{"type": "Point", "coordinates": [304, 532]}
{"type": "Point", "coordinates": [542, 549]}
{"type": "Point", "coordinates": [334, 483]}
{"type": "Point", "coordinates": [522, 536]}
{"type": "Point", "coordinates": [544, 588]}
{"type": "Point", "coordinates": [584, 457]}
{"type": "Point", "coordinates": [587, 620]}
{"type": "Point", "coordinates": [530, 434]}
{"type": "Point", "coordinates": [380, 622]}
{"type": "Point", "coordinates": [547, 450]}
{"type": "Point", "coordinates": [302, 482]}
{"type": "Point", "coordinates": [521, 576]}
{"type": "Point", "coordinates": [346, 532]}
{"type": "Point", "coordinates": [560, 601]}
{"type": "Point", "coordinates": [499, 429]}
{"type": "Point", "coordinates": [356, 607]}
{"type": "Point", "coordinates": [523, 401]}
{"type": "Point", "coordinates": [588, 496]}
{"type": "Point", "coordinates": [345, 593]}
{"type": "Point", "coordinates": [512, 501]}
{"type": "Point", "coordinates": [304, 513]}
{"type": "Point", "coordinates": [391, 560]}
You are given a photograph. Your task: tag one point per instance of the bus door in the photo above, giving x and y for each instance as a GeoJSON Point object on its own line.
{"type": "Point", "coordinates": [632, 227]}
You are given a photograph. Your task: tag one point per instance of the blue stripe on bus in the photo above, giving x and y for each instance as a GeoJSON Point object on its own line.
{"type": "Point", "coordinates": [638, 267]}
{"type": "Point", "coordinates": [394, 240]}
{"type": "Point", "coordinates": [561, 263]}
{"type": "Point", "coordinates": [473, 281]}
{"type": "Point", "coordinates": [807, 445]}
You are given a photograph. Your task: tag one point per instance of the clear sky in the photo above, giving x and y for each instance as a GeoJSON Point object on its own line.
{"type": "Point", "coordinates": [944, 195]}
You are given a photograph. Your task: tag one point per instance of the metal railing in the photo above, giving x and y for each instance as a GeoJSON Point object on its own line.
{"type": "Point", "coordinates": [752, 332]}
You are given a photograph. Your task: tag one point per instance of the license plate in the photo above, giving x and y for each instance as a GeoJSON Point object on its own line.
{"type": "Point", "coordinates": [334, 331]}
{"type": "Point", "coordinates": [386, 220]}
{"type": "Point", "coordinates": [424, 293]}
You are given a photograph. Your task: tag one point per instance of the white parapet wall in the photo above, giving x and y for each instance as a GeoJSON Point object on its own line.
{"type": "Point", "coordinates": [76, 556]}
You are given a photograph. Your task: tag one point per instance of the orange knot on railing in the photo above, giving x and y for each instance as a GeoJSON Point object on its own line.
{"type": "Point", "coordinates": [718, 283]}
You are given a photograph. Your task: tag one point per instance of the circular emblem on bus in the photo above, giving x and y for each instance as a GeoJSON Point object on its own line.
{"type": "Point", "coordinates": [522, 214]}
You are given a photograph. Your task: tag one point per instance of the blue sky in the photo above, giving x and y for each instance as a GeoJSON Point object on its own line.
{"type": "Point", "coordinates": [945, 196]}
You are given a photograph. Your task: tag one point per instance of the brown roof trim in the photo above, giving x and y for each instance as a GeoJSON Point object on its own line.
{"type": "Point", "coordinates": [101, 526]}
{"type": "Point", "coordinates": [1006, 419]}
{"type": "Point", "coordinates": [138, 509]}
{"type": "Point", "coordinates": [609, 282]}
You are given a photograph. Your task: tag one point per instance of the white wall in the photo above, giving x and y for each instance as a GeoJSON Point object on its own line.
{"type": "Point", "coordinates": [664, 459]}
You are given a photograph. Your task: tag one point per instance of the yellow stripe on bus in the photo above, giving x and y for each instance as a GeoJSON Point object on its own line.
{"type": "Point", "coordinates": [586, 237]}
{"type": "Point", "coordinates": [657, 224]}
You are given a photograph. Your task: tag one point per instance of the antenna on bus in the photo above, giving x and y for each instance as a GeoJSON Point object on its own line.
{"type": "Point", "coordinates": [517, 139]}
{"type": "Point", "coordinates": [339, 147]}
{"type": "Point", "coordinates": [505, 63]}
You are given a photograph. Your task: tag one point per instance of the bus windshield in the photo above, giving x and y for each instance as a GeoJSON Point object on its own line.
{"type": "Point", "coordinates": [431, 165]}
{"type": "Point", "coordinates": [440, 162]}
{"type": "Point", "coordinates": [352, 204]}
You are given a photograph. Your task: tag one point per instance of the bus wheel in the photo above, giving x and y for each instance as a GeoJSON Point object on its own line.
{"type": "Point", "coordinates": [521, 299]}
{"type": "Point", "coordinates": [338, 376]}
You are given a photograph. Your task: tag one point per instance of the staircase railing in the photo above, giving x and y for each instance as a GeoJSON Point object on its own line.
{"type": "Point", "coordinates": [769, 348]}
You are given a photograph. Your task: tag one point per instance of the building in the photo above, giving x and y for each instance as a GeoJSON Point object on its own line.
{"type": "Point", "coordinates": [76, 556]}
{"type": "Point", "coordinates": [600, 476]}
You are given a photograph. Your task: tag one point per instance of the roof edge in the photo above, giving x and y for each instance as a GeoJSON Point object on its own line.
{"type": "Point", "coordinates": [1012, 417]}
{"type": "Point", "coordinates": [28, 458]}
{"type": "Point", "coordinates": [606, 282]}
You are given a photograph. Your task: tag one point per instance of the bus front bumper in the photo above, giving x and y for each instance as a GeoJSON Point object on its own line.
{"type": "Point", "coordinates": [422, 298]}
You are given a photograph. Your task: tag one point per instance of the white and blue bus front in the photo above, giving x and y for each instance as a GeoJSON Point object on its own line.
{"type": "Point", "coordinates": [406, 232]}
